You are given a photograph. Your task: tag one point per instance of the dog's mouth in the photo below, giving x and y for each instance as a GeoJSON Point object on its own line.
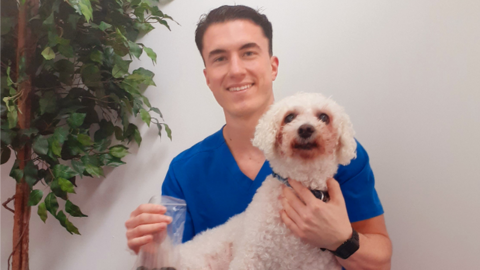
{"type": "Point", "coordinates": [305, 146]}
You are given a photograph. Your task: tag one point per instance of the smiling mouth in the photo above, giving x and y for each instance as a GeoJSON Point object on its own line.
{"type": "Point", "coordinates": [240, 88]}
{"type": "Point", "coordinates": [305, 146]}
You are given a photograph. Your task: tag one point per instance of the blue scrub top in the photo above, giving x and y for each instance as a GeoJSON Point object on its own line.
{"type": "Point", "coordinates": [208, 178]}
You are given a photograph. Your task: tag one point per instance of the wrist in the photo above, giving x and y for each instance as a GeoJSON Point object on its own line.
{"type": "Point", "coordinates": [348, 247]}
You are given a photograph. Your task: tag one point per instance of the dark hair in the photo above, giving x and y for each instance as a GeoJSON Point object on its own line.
{"type": "Point", "coordinates": [230, 13]}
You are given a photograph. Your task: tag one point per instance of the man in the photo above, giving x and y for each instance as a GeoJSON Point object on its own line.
{"type": "Point", "coordinates": [219, 176]}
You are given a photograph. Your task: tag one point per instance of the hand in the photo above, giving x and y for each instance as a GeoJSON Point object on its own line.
{"type": "Point", "coordinates": [324, 225]}
{"type": "Point", "coordinates": [145, 221]}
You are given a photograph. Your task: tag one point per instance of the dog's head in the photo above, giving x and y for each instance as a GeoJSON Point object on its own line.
{"type": "Point", "coordinates": [305, 137]}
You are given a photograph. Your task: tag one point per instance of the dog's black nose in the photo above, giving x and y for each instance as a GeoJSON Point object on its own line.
{"type": "Point", "coordinates": [305, 131]}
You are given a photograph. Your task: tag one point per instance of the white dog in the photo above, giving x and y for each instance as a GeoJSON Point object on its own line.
{"type": "Point", "coordinates": [304, 137]}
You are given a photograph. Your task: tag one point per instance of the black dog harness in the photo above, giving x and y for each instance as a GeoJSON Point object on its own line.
{"type": "Point", "coordinates": [319, 194]}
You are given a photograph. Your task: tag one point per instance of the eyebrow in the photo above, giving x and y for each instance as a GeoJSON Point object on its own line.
{"type": "Point", "coordinates": [245, 46]}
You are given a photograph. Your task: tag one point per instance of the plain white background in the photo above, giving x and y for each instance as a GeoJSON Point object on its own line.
{"type": "Point", "coordinates": [407, 72]}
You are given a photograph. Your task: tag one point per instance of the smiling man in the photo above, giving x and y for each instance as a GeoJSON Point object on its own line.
{"type": "Point", "coordinates": [218, 176]}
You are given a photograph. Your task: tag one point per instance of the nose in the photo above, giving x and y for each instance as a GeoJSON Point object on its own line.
{"type": "Point", "coordinates": [237, 68]}
{"type": "Point", "coordinates": [305, 131]}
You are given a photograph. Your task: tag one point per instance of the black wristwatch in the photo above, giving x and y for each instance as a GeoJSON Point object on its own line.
{"type": "Point", "coordinates": [349, 247]}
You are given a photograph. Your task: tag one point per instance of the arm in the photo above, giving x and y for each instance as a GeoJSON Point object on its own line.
{"type": "Point", "coordinates": [375, 246]}
{"type": "Point", "coordinates": [326, 225]}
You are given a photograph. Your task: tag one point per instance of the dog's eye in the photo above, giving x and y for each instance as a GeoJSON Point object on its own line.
{"type": "Point", "coordinates": [289, 118]}
{"type": "Point", "coordinates": [324, 118]}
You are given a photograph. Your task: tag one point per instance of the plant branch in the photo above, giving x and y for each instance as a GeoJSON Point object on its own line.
{"type": "Point", "coordinates": [6, 202]}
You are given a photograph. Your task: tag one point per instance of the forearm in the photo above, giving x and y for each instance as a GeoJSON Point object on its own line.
{"type": "Point", "coordinates": [375, 252]}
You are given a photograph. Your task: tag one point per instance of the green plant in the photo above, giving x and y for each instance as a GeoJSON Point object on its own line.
{"type": "Point", "coordinates": [68, 96]}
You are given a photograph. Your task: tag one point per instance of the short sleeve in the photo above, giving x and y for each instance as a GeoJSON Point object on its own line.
{"type": "Point", "coordinates": [172, 188]}
{"type": "Point", "coordinates": [357, 183]}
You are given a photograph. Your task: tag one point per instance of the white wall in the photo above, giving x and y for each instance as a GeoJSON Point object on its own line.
{"type": "Point", "coordinates": [408, 73]}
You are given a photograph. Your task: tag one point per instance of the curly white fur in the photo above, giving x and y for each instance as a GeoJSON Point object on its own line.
{"type": "Point", "coordinates": [257, 238]}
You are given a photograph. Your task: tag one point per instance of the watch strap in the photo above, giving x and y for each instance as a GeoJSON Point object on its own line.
{"type": "Point", "coordinates": [345, 250]}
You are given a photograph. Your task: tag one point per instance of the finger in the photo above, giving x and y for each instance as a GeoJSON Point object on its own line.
{"type": "Point", "coordinates": [143, 230]}
{"type": "Point", "coordinates": [149, 208]}
{"type": "Point", "coordinates": [303, 193]}
{"type": "Point", "coordinates": [334, 191]}
{"type": "Point", "coordinates": [293, 200]}
{"type": "Point", "coordinates": [290, 224]}
{"type": "Point", "coordinates": [291, 213]}
{"type": "Point", "coordinates": [147, 218]}
{"type": "Point", "coordinates": [135, 243]}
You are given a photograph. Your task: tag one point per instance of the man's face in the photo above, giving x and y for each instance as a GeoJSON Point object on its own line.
{"type": "Point", "coordinates": [238, 67]}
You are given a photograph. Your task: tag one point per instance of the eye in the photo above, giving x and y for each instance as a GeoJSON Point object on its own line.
{"type": "Point", "coordinates": [219, 59]}
{"type": "Point", "coordinates": [324, 118]}
{"type": "Point", "coordinates": [249, 53]}
{"type": "Point", "coordinates": [289, 118]}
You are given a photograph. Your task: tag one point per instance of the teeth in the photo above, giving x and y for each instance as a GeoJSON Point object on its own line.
{"type": "Point", "coordinates": [234, 89]}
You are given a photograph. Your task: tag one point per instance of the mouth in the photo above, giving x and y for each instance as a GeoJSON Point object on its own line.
{"type": "Point", "coordinates": [305, 146]}
{"type": "Point", "coordinates": [240, 87]}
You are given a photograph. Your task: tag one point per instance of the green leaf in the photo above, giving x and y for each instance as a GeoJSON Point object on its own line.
{"type": "Point", "coordinates": [60, 134]}
{"type": "Point", "coordinates": [78, 166]}
{"type": "Point", "coordinates": [35, 197]}
{"type": "Point", "coordinates": [151, 54]}
{"type": "Point", "coordinates": [96, 56]}
{"type": "Point", "coordinates": [91, 75]}
{"type": "Point", "coordinates": [48, 102]}
{"type": "Point", "coordinates": [160, 127]}
{"type": "Point", "coordinates": [76, 119]}
{"type": "Point", "coordinates": [57, 190]}
{"type": "Point", "coordinates": [40, 145]}
{"type": "Point", "coordinates": [65, 69]}
{"type": "Point", "coordinates": [66, 185]}
{"type": "Point", "coordinates": [135, 49]}
{"type": "Point", "coordinates": [145, 116]}
{"type": "Point", "coordinates": [66, 223]}
{"type": "Point", "coordinates": [84, 139]}
{"type": "Point", "coordinates": [103, 26]}
{"type": "Point", "coordinates": [86, 9]}
{"type": "Point", "coordinates": [157, 111]}
{"type": "Point", "coordinates": [66, 50]}
{"type": "Point", "coordinates": [146, 101]}
{"type": "Point", "coordinates": [168, 130]}
{"type": "Point", "coordinates": [55, 146]}
{"type": "Point", "coordinates": [6, 152]}
{"type": "Point", "coordinates": [51, 203]}
{"type": "Point", "coordinates": [73, 210]}
{"type": "Point", "coordinates": [137, 136]}
{"type": "Point", "coordinates": [6, 135]}
{"type": "Point", "coordinates": [121, 67]}
{"type": "Point", "coordinates": [112, 161]}
{"type": "Point", "coordinates": [12, 118]}
{"type": "Point", "coordinates": [30, 173]}
{"type": "Point", "coordinates": [94, 170]}
{"type": "Point", "coordinates": [42, 211]}
{"type": "Point", "coordinates": [16, 173]}
{"type": "Point", "coordinates": [63, 171]}
{"type": "Point", "coordinates": [118, 151]}
{"type": "Point", "coordinates": [7, 24]}
{"type": "Point", "coordinates": [118, 133]}
{"type": "Point", "coordinates": [48, 53]}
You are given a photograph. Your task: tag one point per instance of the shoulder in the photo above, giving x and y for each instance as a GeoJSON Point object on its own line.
{"type": "Point", "coordinates": [358, 165]}
{"type": "Point", "coordinates": [200, 150]}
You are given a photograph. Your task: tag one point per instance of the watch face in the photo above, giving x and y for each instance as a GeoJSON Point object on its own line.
{"type": "Point", "coordinates": [349, 247]}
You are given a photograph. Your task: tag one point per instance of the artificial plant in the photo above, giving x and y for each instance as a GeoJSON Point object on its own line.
{"type": "Point", "coordinates": [68, 97]}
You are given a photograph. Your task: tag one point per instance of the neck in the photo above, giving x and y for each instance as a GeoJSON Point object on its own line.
{"type": "Point", "coordinates": [239, 130]}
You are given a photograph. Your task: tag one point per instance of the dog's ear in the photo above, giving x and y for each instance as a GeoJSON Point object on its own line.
{"type": "Point", "coordinates": [265, 132]}
{"type": "Point", "coordinates": [347, 146]}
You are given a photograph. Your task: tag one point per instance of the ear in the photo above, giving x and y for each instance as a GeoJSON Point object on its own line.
{"type": "Point", "coordinates": [347, 146]}
{"type": "Point", "coordinates": [206, 77]}
{"type": "Point", "coordinates": [265, 132]}
{"type": "Point", "coordinates": [274, 64]}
